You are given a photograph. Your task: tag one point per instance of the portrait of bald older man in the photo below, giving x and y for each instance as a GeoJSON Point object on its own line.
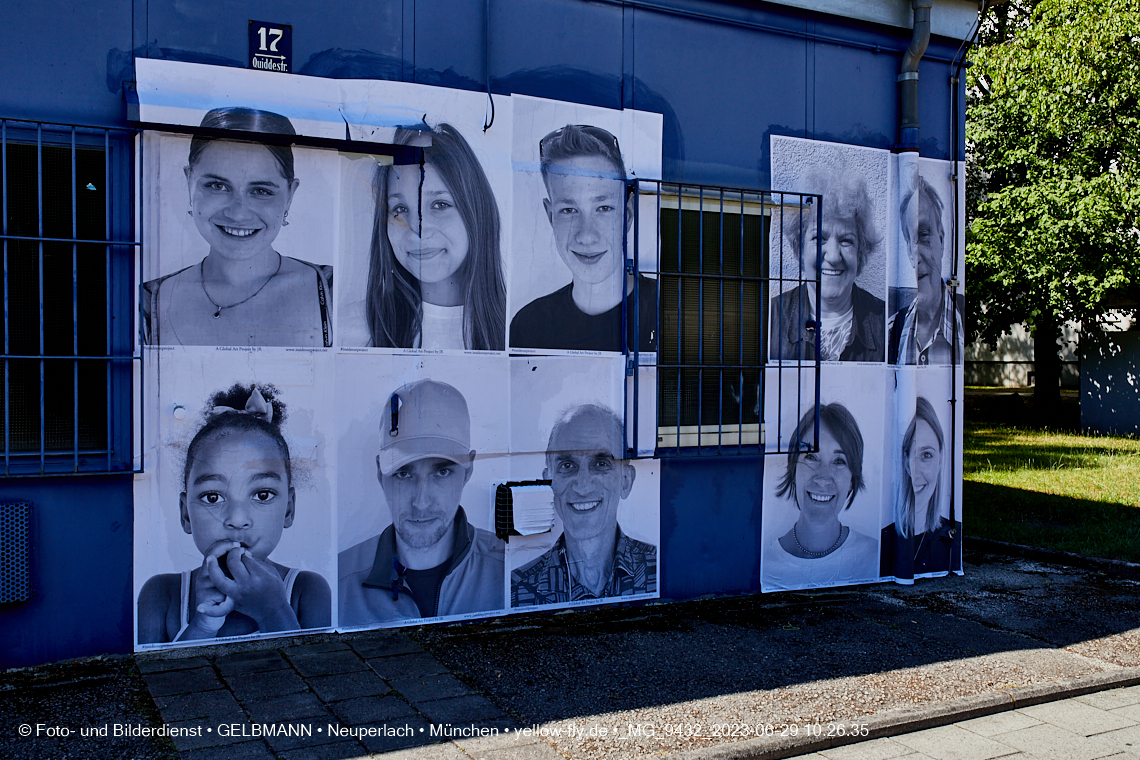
{"type": "Point", "coordinates": [430, 561]}
{"type": "Point", "coordinates": [593, 558]}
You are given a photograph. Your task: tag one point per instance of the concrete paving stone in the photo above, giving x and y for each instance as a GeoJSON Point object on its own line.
{"type": "Point", "coordinates": [953, 743]}
{"type": "Point", "coordinates": [1078, 717]}
{"type": "Point", "coordinates": [999, 723]}
{"type": "Point", "coordinates": [416, 665]}
{"type": "Point", "coordinates": [430, 687]}
{"type": "Point", "coordinates": [504, 736]}
{"type": "Point", "coordinates": [413, 731]}
{"type": "Point", "coordinates": [255, 750]}
{"type": "Point", "coordinates": [248, 687]}
{"type": "Point", "coordinates": [206, 735]}
{"type": "Point", "coordinates": [250, 662]}
{"type": "Point", "coordinates": [348, 685]}
{"type": "Point", "coordinates": [1112, 698]}
{"type": "Point", "coordinates": [469, 709]}
{"type": "Point", "coordinates": [535, 751]}
{"type": "Point", "coordinates": [383, 644]}
{"type": "Point", "coordinates": [1056, 743]}
{"type": "Point", "coordinates": [371, 710]}
{"type": "Point", "coordinates": [1124, 739]}
{"type": "Point", "coordinates": [327, 663]}
{"type": "Point", "coordinates": [200, 705]}
{"type": "Point", "coordinates": [316, 647]}
{"type": "Point", "coordinates": [341, 750]}
{"type": "Point", "coordinates": [1132, 712]}
{"type": "Point", "coordinates": [182, 682]}
{"type": "Point", "coordinates": [878, 749]}
{"type": "Point", "coordinates": [318, 734]}
{"type": "Point", "coordinates": [301, 704]}
{"type": "Point", "coordinates": [156, 665]}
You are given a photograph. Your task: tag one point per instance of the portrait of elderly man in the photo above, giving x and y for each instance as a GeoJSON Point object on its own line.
{"type": "Point", "coordinates": [930, 331]}
{"type": "Point", "coordinates": [590, 211]}
{"type": "Point", "coordinates": [430, 561]}
{"type": "Point", "coordinates": [851, 319]}
{"type": "Point", "coordinates": [593, 558]}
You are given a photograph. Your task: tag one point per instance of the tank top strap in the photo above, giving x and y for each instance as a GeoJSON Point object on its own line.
{"type": "Point", "coordinates": [324, 297]}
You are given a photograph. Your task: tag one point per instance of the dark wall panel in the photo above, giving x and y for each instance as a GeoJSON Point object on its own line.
{"type": "Point", "coordinates": [55, 59]}
{"type": "Point", "coordinates": [81, 535]}
{"type": "Point", "coordinates": [710, 526]}
{"type": "Point", "coordinates": [549, 49]}
{"type": "Point", "coordinates": [855, 96]}
{"type": "Point", "coordinates": [729, 87]}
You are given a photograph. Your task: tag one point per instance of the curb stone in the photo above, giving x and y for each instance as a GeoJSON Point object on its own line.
{"type": "Point", "coordinates": [911, 719]}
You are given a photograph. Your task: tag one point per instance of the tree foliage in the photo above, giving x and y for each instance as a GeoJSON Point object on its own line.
{"type": "Point", "coordinates": [1053, 136]}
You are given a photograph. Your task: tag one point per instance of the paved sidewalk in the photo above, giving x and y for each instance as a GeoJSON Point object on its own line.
{"type": "Point", "coordinates": [1101, 725]}
{"type": "Point", "coordinates": [759, 676]}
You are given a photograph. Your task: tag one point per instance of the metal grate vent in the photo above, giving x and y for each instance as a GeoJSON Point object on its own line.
{"type": "Point", "coordinates": [15, 584]}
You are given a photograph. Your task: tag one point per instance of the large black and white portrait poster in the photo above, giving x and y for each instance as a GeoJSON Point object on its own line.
{"type": "Point", "coordinates": [823, 498]}
{"type": "Point", "coordinates": [565, 414]}
{"type": "Point", "coordinates": [573, 216]}
{"type": "Point", "coordinates": [240, 237]}
{"type": "Point", "coordinates": [853, 239]}
{"type": "Point", "coordinates": [926, 325]}
{"type": "Point", "coordinates": [422, 441]}
{"type": "Point", "coordinates": [234, 512]}
{"type": "Point", "coordinates": [922, 515]}
{"type": "Point", "coordinates": [424, 253]}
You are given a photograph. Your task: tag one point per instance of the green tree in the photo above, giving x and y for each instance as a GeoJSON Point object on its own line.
{"type": "Point", "coordinates": [1053, 135]}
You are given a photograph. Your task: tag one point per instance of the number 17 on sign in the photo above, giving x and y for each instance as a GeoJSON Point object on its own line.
{"type": "Point", "coordinates": [270, 46]}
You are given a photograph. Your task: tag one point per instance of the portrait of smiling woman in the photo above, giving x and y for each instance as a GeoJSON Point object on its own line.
{"type": "Point", "coordinates": [922, 539]}
{"type": "Point", "coordinates": [243, 292]}
{"type": "Point", "coordinates": [819, 549]}
{"type": "Point", "coordinates": [851, 319]}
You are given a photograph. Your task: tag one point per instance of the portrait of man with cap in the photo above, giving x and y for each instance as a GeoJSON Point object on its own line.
{"type": "Point", "coordinates": [430, 561]}
{"type": "Point", "coordinates": [593, 558]}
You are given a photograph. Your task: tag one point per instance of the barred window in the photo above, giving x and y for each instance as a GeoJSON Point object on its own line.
{"type": "Point", "coordinates": [67, 271]}
{"type": "Point", "coordinates": [715, 285]}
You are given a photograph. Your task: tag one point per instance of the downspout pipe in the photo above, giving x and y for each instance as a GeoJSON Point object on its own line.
{"type": "Point", "coordinates": [908, 77]}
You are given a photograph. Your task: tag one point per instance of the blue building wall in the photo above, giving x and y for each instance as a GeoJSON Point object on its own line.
{"type": "Point", "coordinates": [726, 76]}
{"type": "Point", "coordinates": [80, 565]}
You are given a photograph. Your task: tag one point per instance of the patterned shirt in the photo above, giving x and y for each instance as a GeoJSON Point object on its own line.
{"type": "Point", "coordinates": [548, 579]}
{"type": "Point", "coordinates": [940, 349]}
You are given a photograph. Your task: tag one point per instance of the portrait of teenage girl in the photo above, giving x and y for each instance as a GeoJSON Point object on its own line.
{"type": "Point", "coordinates": [925, 537]}
{"type": "Point", "coordinates": [237, 498]}
{"type": "Point", "coordinates": [435, 274]}
{"type": "Point", "coordinates": [243, 292]}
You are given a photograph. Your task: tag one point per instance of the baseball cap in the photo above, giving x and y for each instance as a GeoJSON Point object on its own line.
{"type": "Point", "coordinates": [432, 421]}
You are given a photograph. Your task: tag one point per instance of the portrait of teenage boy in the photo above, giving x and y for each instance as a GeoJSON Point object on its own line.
{"type": "Point", "coordinates": [590, 210]}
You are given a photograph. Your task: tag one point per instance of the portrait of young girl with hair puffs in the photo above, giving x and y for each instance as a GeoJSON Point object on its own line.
{"type": "Point", "coordinates": [237, 497]}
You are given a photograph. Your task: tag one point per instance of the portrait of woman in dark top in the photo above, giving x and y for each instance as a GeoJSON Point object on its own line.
{"type": "Point", "coordinates": [243, 292]}
{"type": "Point", "coordinates": [921, 540]}
{"type": "Point", "coordinates": [852, 321]}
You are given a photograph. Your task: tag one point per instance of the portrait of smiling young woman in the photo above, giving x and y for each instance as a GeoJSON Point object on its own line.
{"type": "Point", "coordinates": [243, 292]}
{"type": "Point", "coordinates": [823, 482]}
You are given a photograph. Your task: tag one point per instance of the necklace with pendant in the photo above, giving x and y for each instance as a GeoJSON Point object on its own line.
{"type": "Point", "coordinates": [218, 306]}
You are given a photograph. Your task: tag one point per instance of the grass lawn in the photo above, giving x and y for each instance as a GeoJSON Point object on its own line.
{"type": "Point", "coordinates": [1051, 489]}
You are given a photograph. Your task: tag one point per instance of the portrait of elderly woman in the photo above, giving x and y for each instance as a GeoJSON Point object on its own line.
{"type": "Point", "coordinates": [820, 550]}
{"type": "Point", "coordinates": [921, 540]}
{"type": "Point", "coordinates": [243, 292]}
{"type": "Point", "coordinates": [851, 319]}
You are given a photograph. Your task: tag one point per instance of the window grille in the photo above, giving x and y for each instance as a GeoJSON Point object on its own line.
{"type": "Point", "coordinates": [68, 259]}
{"type": "Point", "coordinates": [715, 283]}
